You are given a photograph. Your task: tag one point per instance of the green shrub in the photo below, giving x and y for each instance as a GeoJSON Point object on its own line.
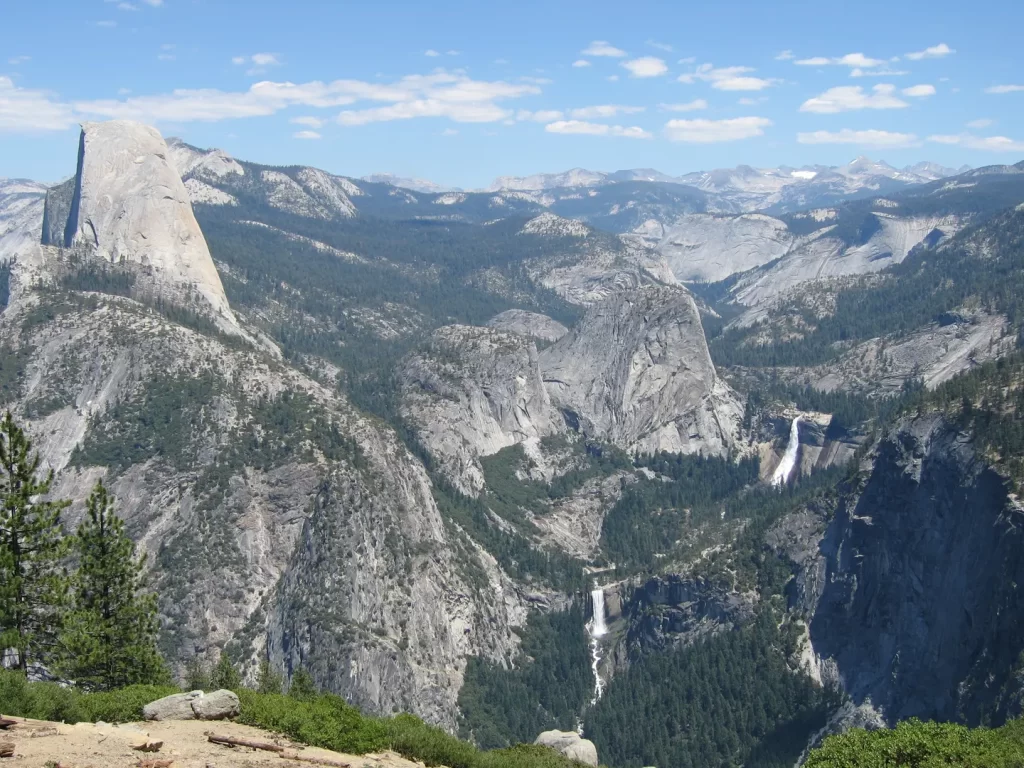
{"type": "Point", "coordinates": [914, 744]}
{"type": "Point", "coordinates": [414, 739]}
{"type": "Point", "coordinates": [49, 701]}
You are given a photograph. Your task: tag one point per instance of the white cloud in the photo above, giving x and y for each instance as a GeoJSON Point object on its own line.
{"type": "Point", "coordinates": [306, 135]}
{"type": "Point", "coordinates": [847, 98]}
{"type": "Point", "coordinates": [935, 52]}
{"type": "Point", "coordinates": [712, 131]}
{"type": "Point", "coordinates": [440, 94]}
{"type": "Point", "coordinates": [746, 101]}
{"type": "Point", "coordinates": [452, 53]}
{"type": "Point", "coordinates": [688, 60]}
{"type": "Point", "coordinates": [660, 46]}
{"type": "Point", "coordinates": [449, 132]}
{"type": "Point", "coordinates": [646, 66]}
{"type": "Point", "coordinates": [260, 62]}
{"type": "Point", "coordinates": [603, 110]}
{"type": "Point", "coordinates": [166, 56]}
{"type": "Point", "coordinates": [581, 127]}
{"type": "Point", "coordinates": [528, 79]}
{"type": "Point", "coordinates": [983, 122]}
{"type": "Point", "coordinates": [918, 91]}
{"type": "Point", "coordinates": [785, 55]}
{"type": "Point", "coordinates": [168, 47]}
{"type": "Point", "coordinates": [849, 60]}
{"type": "Point", "coordinates": [23, 110]}
{"type": "Point", "coordinates": [154, 3]}
{"type": "Point", "coordinates": [431, 53]}
{"type": "Point", "coordinates": [984, 143]}
{"type": "Point", "coordinates": [603, 48]}
{"type": "Point", "coordinates": [106, 23]}
{"type": "Point", "coordinates": [127, 7]}
{"type": "Point", "coordinates": [581, 63]}
{"type": "Point", "coordinates": [612, 78]}
{"type": "Point", "coordinates": [312, 122]}
{"type": "Point", "coordinates": [727, 78]}
{"type": "Point", "coordinates": [16, 60]}
{"type": "Point", "coordinates": [869, 138]}
{"type": "Point", "coordinates": [880, 72]}
{"type": "Point", "coordinates": [1004, 89]}
{"type": "Point", "coordinates": [123, 91]}
{"type": "Point", "coordinates": [540, 116]}
{"type": "Point", "coordinates": [690, 106]}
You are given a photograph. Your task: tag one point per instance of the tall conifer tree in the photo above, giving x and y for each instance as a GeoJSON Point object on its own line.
{"type": "Point", "coordinates": [111, 632]}
{"type": "Point", "coordinates": [33, 585]}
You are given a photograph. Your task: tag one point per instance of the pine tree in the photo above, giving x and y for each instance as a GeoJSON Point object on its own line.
{"type": "Point", "coordinates": [33, 585]}
{"type": "Point", "coordinates": [302, 688]}
{"type": "Point", "coordinates": [111, 631]}
{"type": "Point", "coordinates": [268, 680]}
{"type": "Point", "coordinates": [225, 675]}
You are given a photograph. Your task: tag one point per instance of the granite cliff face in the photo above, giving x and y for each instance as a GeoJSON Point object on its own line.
{"type": "Point", "coordinates": [910, 579]}
{"type": "Point", "coordinates": [130, 207]}
{"type": "Point", "coordinates": [636, 371]}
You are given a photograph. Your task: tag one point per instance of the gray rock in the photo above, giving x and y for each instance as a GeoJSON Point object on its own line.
{"type": "Point", "coordinates": [217, 705]}
{"type": "Point", "coordinates": [178, 706]}
{"type": "Point", "coordinates": [570, 744]}
{"type": "Point", "coordinates": [528, 324]}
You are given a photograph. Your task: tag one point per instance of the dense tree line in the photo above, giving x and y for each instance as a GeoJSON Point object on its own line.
{"type": "Point", "coordinates": [96, 624]}
{"type": "Point", "coordinates": [730, 700]}
{"type": "Point", "coordinates": [548, 686]}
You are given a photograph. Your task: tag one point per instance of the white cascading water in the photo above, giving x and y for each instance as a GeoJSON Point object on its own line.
{"type": "Point", "coordinates": [597, 629]}
{"type": "Point", "coordinates": [785, 469]}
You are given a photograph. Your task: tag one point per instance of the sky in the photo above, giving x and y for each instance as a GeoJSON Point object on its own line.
{"type": "Point", "coordinates": [463, 92]}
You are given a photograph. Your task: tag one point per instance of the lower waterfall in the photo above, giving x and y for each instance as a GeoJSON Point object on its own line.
{"type": "Point", "coordinates": [597, 628]}
{"type": "Point", "coordinates": [783, 472]}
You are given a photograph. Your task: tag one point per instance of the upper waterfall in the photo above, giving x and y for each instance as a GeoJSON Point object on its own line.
{"type": "Point", "coordinates": [783, 472]}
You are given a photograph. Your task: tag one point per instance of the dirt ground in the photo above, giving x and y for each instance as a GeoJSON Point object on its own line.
{"type": "Point", "coordinates": [39, 744]}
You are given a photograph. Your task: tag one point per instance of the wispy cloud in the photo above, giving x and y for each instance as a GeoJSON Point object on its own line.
{"type": "Point", "coordinates": [431, 53]}
{"type": "Point", "coordinates": [540, 116]}
{"type": "Point", "coordinates": [728, 78]}
{"type": "Point", "coordinates": [646, 66]}
{"type": "Point", "coordinates": [984, 143]}
{"type": "Point", "coordinates": [603, 110]}
{"type": "Point", "coordinates": [848, 98]}
{"type": "Point", "coordinates": [581, 127]}
{"type": "Point", "coordinates": [107, 23]}
{"type": "Point", "coordinates": [16, 60]}
{"type": "Point", "coordinates": [259, 62]}
{"type": "Point", "coordinates": [880, 72]}
{"type": "Point", "coordinates": [452, 52]}
{"type": "Point", "coordinates": [868, 138]}
{"type": "Point", "coordinates": [918, 91]}
{"type": "Point", "coordinates": [935, 52]}
{"type": "Point", "coordinates": [660, 46]}
{"type": "Point", "coordinates": [312, 122]}
{"type": "Point", "coordinates": [603, 48]}
{"type": "Point", "coordinates": [983, 122]}
{"type": "Point", "coordinates": [306, 135]}
{"type": "Point", "coordinates": [450, 132]}
{"type": "Point", "coordinates": [690, 106]}
{"type": "Point", "coordinates": [581, 63]}
{"type": "Point", "coordinates": [849, 60]}
{"type": "Point", "coordinates": [24, 110]}
{"type": "Point", "coordinates": [154, 3]}
{"type": "Point", "coordinates": [1004, 89]}
{"type": "Point", "coordinates": [786, 55]}
{"type": "Point", "coordinates": [713, 131]}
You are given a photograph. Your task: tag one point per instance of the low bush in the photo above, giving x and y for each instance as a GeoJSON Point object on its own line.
{"type": "Point", "coordinates": [49, 701]}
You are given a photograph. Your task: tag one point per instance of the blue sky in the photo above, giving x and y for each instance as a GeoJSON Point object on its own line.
{"type": "Point", "coordinates": [461, 92]}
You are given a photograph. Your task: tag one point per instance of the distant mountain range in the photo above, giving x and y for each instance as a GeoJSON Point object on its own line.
{"type": "Point", "coordinates": [740, 189]}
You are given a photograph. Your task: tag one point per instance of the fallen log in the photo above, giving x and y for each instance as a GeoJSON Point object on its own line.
{"type": "Point", "coordinates": [5, 723]}
{"type": "Point", "coordinates": [315, 760]}
{"type": "Point", "coordinates": [231, 741]}
{"type": "Point", "coordinates": [6, 749]}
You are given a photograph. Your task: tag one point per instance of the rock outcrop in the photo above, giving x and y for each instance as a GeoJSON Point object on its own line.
{"type": "Point", "coordinates": [910, 579]}
{"type": "Point", "coordinates": [530, 324]}
{"type": "Point", "coordinates": [194, 705]}
{"type": "Point", "coordinates": [636, 371]}
{"type": "Point", "coordinates": [21, 211]}
{"type": "Point", "coordinates": [130, 208]}
{"type": "Point", "coordinates": [473, 391]}
{"type": "Point", "coordinates": [570, 744]}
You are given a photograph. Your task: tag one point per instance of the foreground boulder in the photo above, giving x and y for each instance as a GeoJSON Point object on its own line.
{"type": "Point", "coordinates": [570, 744]}
{"type": "Point", "coordinates": [194, 705]}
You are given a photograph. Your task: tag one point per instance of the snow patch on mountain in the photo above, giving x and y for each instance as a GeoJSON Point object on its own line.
{"type": "Point", "coordinates": [203, 193]}
{"type": "Point", "coordinates": [206, 163]}
{"type": "Point", "coordinates": [550, 224]}
{"type": "Point", "coordinates": [450, 198]}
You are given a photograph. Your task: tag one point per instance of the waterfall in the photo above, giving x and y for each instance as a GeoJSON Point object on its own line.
{"type": "Point", "coordinates": [597, 628]}
{"type": "Point", "coordinates": [785, 469]}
